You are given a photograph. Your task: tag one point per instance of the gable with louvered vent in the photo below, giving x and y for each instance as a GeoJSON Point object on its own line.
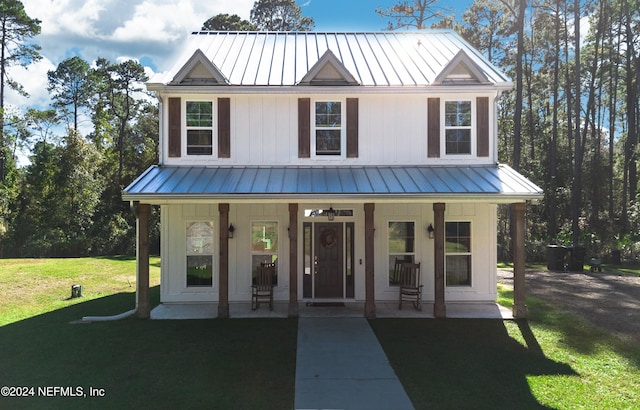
{"type": "Point", "coordinates": [461, 70]}
{"type": "Point", "coordinates": [328, 70]}
{"type": "Point", "coordinates": [199, 71]}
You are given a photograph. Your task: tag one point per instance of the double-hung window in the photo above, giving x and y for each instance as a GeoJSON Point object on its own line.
{"type": "Point", "coordinates": [329, 128]}
{"type": "Point", "coordinates": [458, 127]}
{"type": "Point", "coordinates": [458, 253]}
{"type": "Point", "coordinates": [264, 246]}
{"type": "Point", "coordinates": [199, 116]}
{"type": "Point", "coordinates": [199, 251]}
{"type": "Point", "coordinates": [402, 246]}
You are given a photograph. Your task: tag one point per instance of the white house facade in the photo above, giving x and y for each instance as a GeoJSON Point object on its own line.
{"type": "Point", "coordinates": [331, 155]}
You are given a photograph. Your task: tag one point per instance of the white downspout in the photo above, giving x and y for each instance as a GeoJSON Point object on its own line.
{"type": "Point", "coordinates": [124, 315]}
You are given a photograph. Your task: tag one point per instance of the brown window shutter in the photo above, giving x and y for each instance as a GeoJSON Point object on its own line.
{"type": "Point", "coordinates": [304, 127]}
{"type": "Point", "coordinates": [175, 127]}
{"type": "Point", "coordinates": [352, 127]}
{"type": "Point", "coordinates": [224, 128]}
{"type": "Point", "coordinates": [433, 128]}
{"type": "Point", "coordinates": [482, 121]}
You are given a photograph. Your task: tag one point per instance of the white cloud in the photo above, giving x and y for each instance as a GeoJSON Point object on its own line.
{"type": "Point", "coordinates": [148, 31]}
{"type": "Point", "coordinates": [113, 28]}
{"type": "Point", "coordinates": [34, 80]}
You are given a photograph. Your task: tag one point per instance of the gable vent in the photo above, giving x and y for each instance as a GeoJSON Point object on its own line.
{"type": "Point", "coordinates": [199, 70]}
{"type": "Point", "coordinates": [328, 70]}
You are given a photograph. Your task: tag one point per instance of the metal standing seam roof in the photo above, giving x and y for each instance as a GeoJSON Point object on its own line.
{"type": "Point", "coordinates": [392, 59]}
{"type": "Point", "coordinates": [495, 183]}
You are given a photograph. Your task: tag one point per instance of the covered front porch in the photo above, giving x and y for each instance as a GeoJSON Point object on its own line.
{"type": "Point", "coordinates": [169, 311]}
{"type": "Point", "coordinates": [376, 196]}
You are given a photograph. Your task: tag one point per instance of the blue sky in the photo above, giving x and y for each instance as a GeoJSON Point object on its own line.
{"type": "Point", "coordinates": [357, 15]}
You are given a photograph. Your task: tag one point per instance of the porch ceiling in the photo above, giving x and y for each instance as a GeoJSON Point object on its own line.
{"type": "Point", "coordinates": [495, 184]}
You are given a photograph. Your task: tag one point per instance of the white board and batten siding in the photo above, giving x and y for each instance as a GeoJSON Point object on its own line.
{"type": "Point", "coordinates": [175, 217]}
{"type": "Point", "coordinates": [392, 131]}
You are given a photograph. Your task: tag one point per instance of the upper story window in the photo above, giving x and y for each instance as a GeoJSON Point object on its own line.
{"type": "Point", "coordinates": [199, 127]}
{"type": "Point", "coordinates": [329, 129]}
{"type": "Point", "coordinates": [457, 127]}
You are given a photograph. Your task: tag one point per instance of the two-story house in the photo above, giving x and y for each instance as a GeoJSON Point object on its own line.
{"type": "Point", "coordinates": [332, 155]}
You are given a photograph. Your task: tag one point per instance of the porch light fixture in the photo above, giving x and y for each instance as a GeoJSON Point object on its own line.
{"type": "Point", "coordinates": [231, 231]}
{"type": "Point", "coordinates": [331, 214]}
{"type": "Point", "coordinates": [430, 231]}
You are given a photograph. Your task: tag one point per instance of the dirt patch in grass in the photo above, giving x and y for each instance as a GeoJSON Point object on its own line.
{"type": "Point", "coordinates": [607, 300]}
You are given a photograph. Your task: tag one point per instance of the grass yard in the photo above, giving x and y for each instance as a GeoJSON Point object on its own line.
{"type": "Point", "coordinates": [554, 360]}
{"type": "Point", "coordinates": [217, 364]}
{"type": "Point", "coordinates": [30, 287]}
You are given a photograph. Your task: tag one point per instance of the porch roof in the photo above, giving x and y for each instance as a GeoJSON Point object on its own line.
{"type": "Point", "coordinates": [492, 183]}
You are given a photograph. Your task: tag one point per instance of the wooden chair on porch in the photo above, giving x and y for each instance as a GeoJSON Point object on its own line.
{"type": "Point", "coordinates": [410, 288]}
{"type": "Point", "coordinates": [262, 289]}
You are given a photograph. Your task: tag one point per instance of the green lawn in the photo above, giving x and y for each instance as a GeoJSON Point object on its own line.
{"type": "Point", "coordinates": [552, 361]}
{"type": "Point", "coordinates": [217, 364]}
{"type": "Point", "coordinates": [30, 287]}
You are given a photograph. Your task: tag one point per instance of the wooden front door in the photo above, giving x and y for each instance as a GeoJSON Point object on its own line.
{"type": "Point", "coordinates": [329, 262]}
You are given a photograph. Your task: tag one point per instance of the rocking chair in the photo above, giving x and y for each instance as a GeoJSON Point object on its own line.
{"type": "Point", "coordinates": [262, 289]}
{"type": "Point", "coordinates": [410, 288]}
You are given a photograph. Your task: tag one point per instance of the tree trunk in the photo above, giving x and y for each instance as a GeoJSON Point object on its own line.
{"type": "Point", "coordinates": [576, 189]}
{"type": "Point", "coordinates": [632, 101]}
{"type": "Point", "coordinates": [552, 227]}
{"type": "Point", "coordinates": [517, 117]}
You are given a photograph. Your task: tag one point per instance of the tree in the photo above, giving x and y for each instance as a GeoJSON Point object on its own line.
{"type": "Point", "coordinates": [119, 84]}
{"type": "Point", "coordinates": [43, 122]}
{"type": "Point", "coordinates": [407, 14]}
{"type": "Point", "coordinates": [227, 22]}
{"type": "Point", "coordinates": [71, 87]}
{"type": "Point", "coordinates": [16, 28]}
{"type": "Point", "coordinates": [576, 189]}
{"type": "Point", "coordinates": [487, 28]}
{"type": "Point", "coordinates": [280, 15]}
{"type": "Point", "coordinates": [518, 8]}
{"type": "Point", "coordinates": [58, 199]}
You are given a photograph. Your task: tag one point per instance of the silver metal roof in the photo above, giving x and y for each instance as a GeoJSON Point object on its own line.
{"type": "Point", "coordinates": [392, 59]}
{"type": "Point", "coordinates": [498, 183]}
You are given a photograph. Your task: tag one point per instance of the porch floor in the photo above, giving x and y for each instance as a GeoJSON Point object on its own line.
{"type": "Point", "coordinates": [350, 309]}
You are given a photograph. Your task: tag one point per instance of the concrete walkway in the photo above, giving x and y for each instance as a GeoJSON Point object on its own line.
{"type": "Point", "coordinates": [341, 365]}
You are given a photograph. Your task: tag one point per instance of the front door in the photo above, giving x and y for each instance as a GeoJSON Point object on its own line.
{"type": "Point", "coordinates": [329, 262]}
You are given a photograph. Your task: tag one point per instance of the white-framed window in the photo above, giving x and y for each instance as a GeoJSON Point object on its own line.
{"type": "Point", "coordinates": [458, 253]}
{"type": "Point", "coordinates": [199, 127]}
{"type": "Point", "coordinates": [459, 135]}
{"type": "Point", "coordinates": [329, 128]}
{"type": "Point", "coordinates": [200, 252]}
{"type": "Point", "coordinates": [264, 246]}
{"type": "Point", "coordinates": [401, 246]}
